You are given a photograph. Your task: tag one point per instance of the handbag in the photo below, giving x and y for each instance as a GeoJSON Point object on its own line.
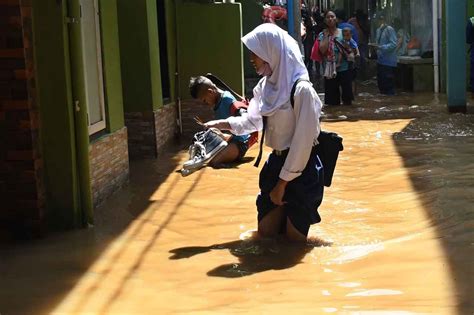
{"type": "Point", "coordinates": [315, 53]}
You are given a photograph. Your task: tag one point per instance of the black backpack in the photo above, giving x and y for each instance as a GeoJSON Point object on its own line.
{"type": "Point", "coordinates": [330, 144]}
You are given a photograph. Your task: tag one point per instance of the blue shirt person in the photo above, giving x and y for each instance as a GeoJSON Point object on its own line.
{"type": "Point", "coordinates": [342, 24]}
{"type": "Point", "coordinates": [386, 44]}
{"type": "Point", "coordinates": [222, 111]}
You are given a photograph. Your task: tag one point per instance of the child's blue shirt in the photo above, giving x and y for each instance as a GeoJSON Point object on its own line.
{"type": "Point", "coordinates": [353, 44]}
{"type": "Point", "coordinates": [222, 111]}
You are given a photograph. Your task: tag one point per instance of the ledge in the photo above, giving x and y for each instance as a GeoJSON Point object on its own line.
{"type": "Point", "coordinates": [408, 60]}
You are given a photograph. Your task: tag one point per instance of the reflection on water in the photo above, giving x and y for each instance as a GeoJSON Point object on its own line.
{"type": "Point", "coordinates": [396, 235]}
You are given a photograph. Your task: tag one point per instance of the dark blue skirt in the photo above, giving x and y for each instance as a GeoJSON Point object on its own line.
{"type": "Point", "coordinates": [303, 195]}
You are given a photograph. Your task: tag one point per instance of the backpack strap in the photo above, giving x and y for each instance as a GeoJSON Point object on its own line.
{"type": "Point", "coordinates": [264, 118]}
{"type": "Point", "coordinates": [259, 157]}
{"type": "Point", "coordinates": [222, 85]}
{"type": "Point", "coordinates": [380, 34]}
{"type": "Point", "coordinates": [293, 89]}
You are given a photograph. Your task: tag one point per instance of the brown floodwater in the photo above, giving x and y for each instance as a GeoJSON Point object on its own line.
{"type": "Point", "coordinates": [396, 237]}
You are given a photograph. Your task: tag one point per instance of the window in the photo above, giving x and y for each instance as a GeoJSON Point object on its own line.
{"type": "Point", "coordinates": [92, 62]}
{"type": "Point", "coordinates": [412, 20]}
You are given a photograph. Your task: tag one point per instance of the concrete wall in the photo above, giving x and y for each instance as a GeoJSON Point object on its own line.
{"type": "Point", "coordinates": [45, 155]}
{"type": "Point", "coordinates": [56, 109]}
{"type": "Point", "coordinates": [149, 121]}
{"type": "Point", "coordinates": [111, 64]}
{"type": "Point", "coordinates": [251, 18]}
{"type": "Point", "coordinates": [209, 41]}
{"type": "Point", "coordinates": [139, 52]}
{"type": "Point", "coordinates": [170, 7]}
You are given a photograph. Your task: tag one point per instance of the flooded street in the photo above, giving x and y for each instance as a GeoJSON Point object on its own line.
{"type": "Point", "coordinates": [396, 237]}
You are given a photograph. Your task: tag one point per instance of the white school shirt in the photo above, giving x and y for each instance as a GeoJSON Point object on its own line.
{"type": "Point", "coordinates": [295, 128]}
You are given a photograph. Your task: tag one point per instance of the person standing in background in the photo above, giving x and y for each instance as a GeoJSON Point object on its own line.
{"type": "Point", "coordinates": [337, 78]}
{"type": "Point", "coordinates": [360, 22]}
{"type": "Point", "coordinates": [386, 45]}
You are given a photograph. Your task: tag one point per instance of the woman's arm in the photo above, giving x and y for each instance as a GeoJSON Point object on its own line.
{"type": "Point", "coordinates": [391, 42]}
{"type": "Point", "coordinates": [357, 51]}
{"type": "Point", "coordinates": [307, 112]}
{"type": "Point", "coordinates": [240, 125]}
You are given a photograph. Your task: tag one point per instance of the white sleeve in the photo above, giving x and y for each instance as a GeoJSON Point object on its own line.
{"type": "Point", "coordinates": [247, 123]}
{"type": "Point", "coordinates": [307, 108]}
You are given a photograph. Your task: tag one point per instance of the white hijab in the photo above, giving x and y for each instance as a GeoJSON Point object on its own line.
{"type": "Point", "coordinates": [281, 52]}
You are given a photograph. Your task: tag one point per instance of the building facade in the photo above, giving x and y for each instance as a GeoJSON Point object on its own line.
{"type": "Point", "coordinates": [86, 86]}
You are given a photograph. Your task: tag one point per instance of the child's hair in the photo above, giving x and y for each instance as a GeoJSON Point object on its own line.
{"type": "Point", "coordinates": [197, 84]}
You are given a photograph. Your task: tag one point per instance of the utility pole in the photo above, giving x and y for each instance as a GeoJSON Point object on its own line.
{"type": "Point", "coordinates": [294, 20]}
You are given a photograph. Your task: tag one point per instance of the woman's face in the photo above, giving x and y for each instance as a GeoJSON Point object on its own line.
{"type": "Point", "coordinates": [257, 62]}
{"type": "Point", "coordinates": [331, 20]}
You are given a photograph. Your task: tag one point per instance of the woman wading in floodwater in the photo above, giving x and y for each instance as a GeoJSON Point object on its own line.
{"type": "Point", "coordinates": [291, 181]}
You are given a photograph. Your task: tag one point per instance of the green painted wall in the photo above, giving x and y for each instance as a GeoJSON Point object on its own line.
{"type": "Point", "coordinates": [209, 41]}
{"type": "Point", "coordinates": [111, 64]}
{"type": "Point", "coordinates": [251, 18]}
{"type": "Point", "coordinates": [53, 84]}
{"type": "Point", "coordinates": [153, 40]}
{"type": "Point", "coordinates": [139, 55]}
{"type": "Point", "coordinates": [81, 122]}
{"type": "Point", "coordinates": [170, 7]}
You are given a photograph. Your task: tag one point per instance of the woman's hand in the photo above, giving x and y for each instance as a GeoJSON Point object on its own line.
{"type": "Point", "coordinates": [277, 193]}
{"type": "Point", "coordinates": [219, 124]}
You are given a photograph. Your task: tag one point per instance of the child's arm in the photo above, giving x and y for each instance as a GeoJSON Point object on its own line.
{"type": "Point", "coordinates": [240, 125]}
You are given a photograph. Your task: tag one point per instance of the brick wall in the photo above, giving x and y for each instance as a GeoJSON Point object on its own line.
{"type": "Point", "coordinates": [109, 166]}
{"type": "Point", "coordinates": [21, 188]}
{"type": "Point", "coordinates": [149, 132]}
{"type": "Point", "coordinates": [191, 108]}
{"type": "Point", "coordinates": [165, 126]}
